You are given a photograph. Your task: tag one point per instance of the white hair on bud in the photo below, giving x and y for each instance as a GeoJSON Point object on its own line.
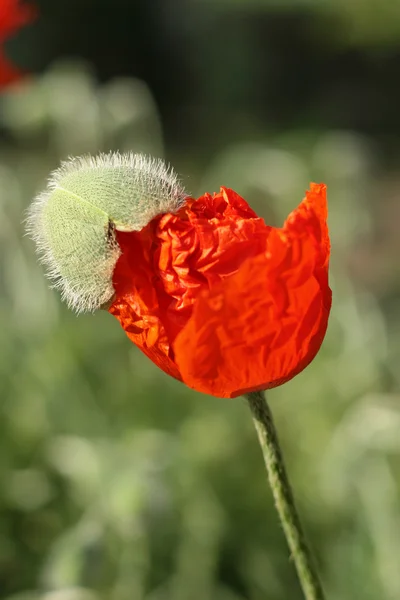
{"type": "Point", "coordinates": [73, 221]}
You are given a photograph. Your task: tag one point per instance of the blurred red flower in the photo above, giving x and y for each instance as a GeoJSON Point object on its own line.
{"type": "Point", "coordinates": [222, 301]}
{"type": "Point", "coordinates": [13, 15]}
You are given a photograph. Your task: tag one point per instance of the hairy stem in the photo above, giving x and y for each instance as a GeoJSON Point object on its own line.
{"type": "Point", "coordinates": [283, 496]}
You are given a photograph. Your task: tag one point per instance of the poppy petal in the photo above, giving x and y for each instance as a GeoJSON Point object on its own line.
{"type": "Point", "coordinates": [195, 249]}
{"type": "Point", "coordinates": [264, 324]}
{"type": "Point", "coordinates": [163, 268]}
{"type": "Point", "coordinates": [13, 15]}
{"type": "Point", "coordinates": [136, 304]}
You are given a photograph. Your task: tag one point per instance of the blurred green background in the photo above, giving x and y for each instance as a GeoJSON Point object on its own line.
{"type": "Point", "coordinates": [117, 482]}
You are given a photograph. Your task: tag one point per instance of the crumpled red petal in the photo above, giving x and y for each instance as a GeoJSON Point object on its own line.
{"type": "Point", "coordinates": [136, 305]}
{"type": "Point", "coordinates": [222, 301]}
{"type": "Point", "coordinates": [197, 248]}
{"type": "Point", "coordinates": [262, 326]}
{"type": "Point", "coordinates": [165, 266]}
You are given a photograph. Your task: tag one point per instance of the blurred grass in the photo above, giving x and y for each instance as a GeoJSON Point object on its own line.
{"type": "Point", "coordinates": [117, 482]}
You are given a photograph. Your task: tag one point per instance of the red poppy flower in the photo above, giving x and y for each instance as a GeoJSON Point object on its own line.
{"type": "Point", "coordinates": [13, 15]}
{"type": "Point", "coordinates": [222, 301]}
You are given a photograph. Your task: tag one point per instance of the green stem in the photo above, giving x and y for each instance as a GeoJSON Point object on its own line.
{"type": "Point", "coordinates": [283, 496]}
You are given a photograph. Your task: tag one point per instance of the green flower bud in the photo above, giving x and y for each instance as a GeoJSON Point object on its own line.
{"type": "Point", "coordinates": [73, 222]}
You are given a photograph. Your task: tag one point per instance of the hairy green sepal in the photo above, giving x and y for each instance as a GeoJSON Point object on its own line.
{"type": "Point", "coordinates": [87, 200]}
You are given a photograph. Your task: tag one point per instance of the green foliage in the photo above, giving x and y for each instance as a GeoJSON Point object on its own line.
{"type": "Point", "coordinates": [117, 482]}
